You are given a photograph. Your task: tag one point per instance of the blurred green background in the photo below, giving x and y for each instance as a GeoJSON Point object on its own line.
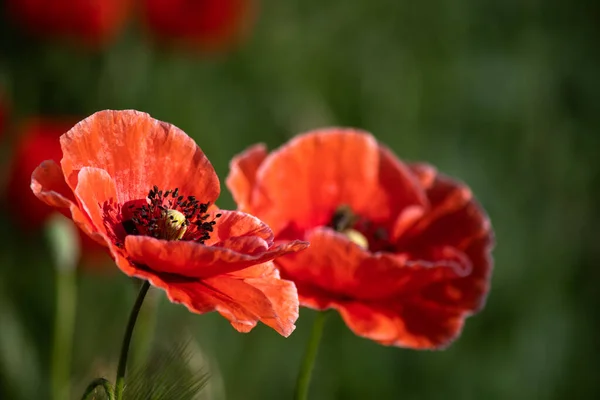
{"type": "Point", "coordinates": [502, 95]}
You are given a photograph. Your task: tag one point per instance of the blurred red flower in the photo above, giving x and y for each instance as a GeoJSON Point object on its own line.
{"type": "Point", "coordinates": [92, 22]}
{"type": "Point", "coordinates": [201, 24]}
{"type": "Point", "coordinates": [145, 190]}
{"type": "Point", "coordinates": [402, 252]}
{"type": "Point", "coordinates": [38, 141]}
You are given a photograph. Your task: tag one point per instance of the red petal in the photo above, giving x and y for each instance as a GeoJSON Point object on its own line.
{"type": "Point", "coordinates": [190, 259]}
{"type": "Point", "coordinates": [455, 221]}
{"type": "Point", "coordinates": [241, 300]}
{"type": "Point", "coordinates": [397, 189]}
{"type": "Point", "coordinates": [138, 152]}
{"type": "Point", "coordinates": [330, 263]}
{"type": "Point", "coordinates": [341, 269]}
{"type": "Point", "coordinates": [412, 325]}
{"type": "Point", "coordinates": [97, 193]}
{"type": "Point", "coordinates": [208, 25]}
{"type": "Point", "coordinates": [48, 184]}
{"type": "Point", "coordinates": [425, 174]}
{"type": "Point", "coordinates": [468, 293]}
{"type": "Point", "coordinates": [454, 217]}
{"type": "Point", "coordinates": [306, 180]}
{"type": "Point", "coordinates": [242, 174]}
{"type": "Point", "coordinates": [233, 225]}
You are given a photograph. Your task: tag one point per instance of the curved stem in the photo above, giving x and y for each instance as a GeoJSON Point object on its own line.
{"type": "Point", "coordinates": [144, 330]}
{"type": "Point", "coordinates": [66, 304]}
{"type": "Point", "coordinates": [303, 381]}
{"type": "Point", "coordinates": [108, 389]}
{"type": "Point", "coordinates": [120, 380]}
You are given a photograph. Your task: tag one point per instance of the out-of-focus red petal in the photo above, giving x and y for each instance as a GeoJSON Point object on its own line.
{"type": "Point", "coordinates": [412, 325]}
{"type": "Point", "coordinates": [425, 174]}
{"type": "Point", "coordinates": [330, 263]}
{"type": "Point", "coordinates": [138, 152]}
{"type": "Point", "coordinates": [397, 189]}
{"type": "Point", "coordinates": [468, 293]}
{"type": "Point", "coordinates": [243, 301]}
{"type": "Point", "coordinates": [453, 218]}
{"type": "Point", "coordinates": [305, 181]}
{"type": "Point", "coordinates": [92, 22]}
{"type": "Point", "coordinates": [242, 174]}
{"type": "Point", "coordinates": [207, 25]}
{"type": "Point", "coordinates": [338, 266]}
{"type": "Point", "coordinates": [455, 221]}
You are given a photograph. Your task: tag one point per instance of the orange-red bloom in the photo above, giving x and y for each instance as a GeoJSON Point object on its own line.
{"type": "Point", "coordinates": [92, 22]}
{"type": "Point", "coordinates": [143, 188]}
{"type": "Point", "coordinates": [38, 141]}
{"type": "Point", "coordinates": [402, 252]}
{"type": "Point", "coordinates": [201, 24]}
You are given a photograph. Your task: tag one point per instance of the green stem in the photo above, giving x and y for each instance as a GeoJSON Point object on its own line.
{"type": "Point", "coordinates": [66, 304]}
{"type": "Point", "coordinates": [120, 381]}
{"type": "Point", "coordinates": [108, 389]}
{"type": "Point", "coordinates": [303, 381]}
{"type": "Point", "coordinates": [144, 331]}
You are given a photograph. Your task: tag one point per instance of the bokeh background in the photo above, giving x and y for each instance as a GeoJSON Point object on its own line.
{"type": "Point", "coordinates": [502, 95]}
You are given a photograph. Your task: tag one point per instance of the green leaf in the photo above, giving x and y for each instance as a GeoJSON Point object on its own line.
{"type": "Point", "coordinates": [168, 374]}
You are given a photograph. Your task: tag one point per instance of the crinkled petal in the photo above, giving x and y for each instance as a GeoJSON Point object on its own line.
{"type": "Point", "coordinates": [48, 184]}
{"type": "Point", "coordinates": [243, 301]}
{"type": "Point", "coordinates": [138, 152]}
{"type": "Point", "coordinates": [190, 259]}
{"type": "Point", "coordinates": [242, 174]}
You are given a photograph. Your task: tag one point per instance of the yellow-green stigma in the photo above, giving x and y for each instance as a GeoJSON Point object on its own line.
{"type": "Point", "coordinates": [174, 225]}
{"type": "Point", "coordinates": [356, 237]}
{"type": "Point", "coordinates": [343, 221]}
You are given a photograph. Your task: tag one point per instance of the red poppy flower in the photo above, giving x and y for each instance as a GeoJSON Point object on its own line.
{"type": "Point", "coordinates": [202, 24]}
{"type": "Point", "coordinates": [402, 252]}
{"type": "Point", "coordinates": [143, 188]}
{"type": "Point", "coordinates": [93, 22]}
{"type": "Point", "coordinates": [38, 141]}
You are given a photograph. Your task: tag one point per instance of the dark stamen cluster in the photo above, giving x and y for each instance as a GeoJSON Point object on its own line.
{"type": "Point", "coordinates": [149, 219]}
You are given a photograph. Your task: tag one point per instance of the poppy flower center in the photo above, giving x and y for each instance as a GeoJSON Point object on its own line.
{"type": "Point", "coordinates": [343, 221]}
{"type": "Point", "coordinates": [170, 216]}
{"type": "Point", "coordinates": [360, 230]}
